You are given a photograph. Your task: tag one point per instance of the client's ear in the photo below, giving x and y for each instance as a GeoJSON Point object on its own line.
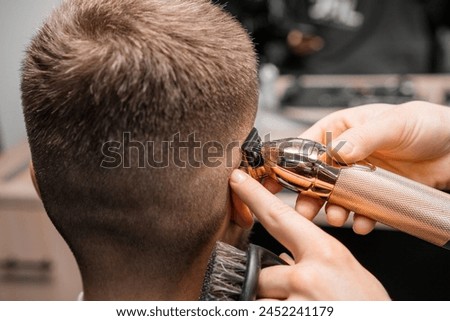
{"type": "Point", "coordinates": [33, 179]}
{"type": "Point", "coordinates": [240, 213]}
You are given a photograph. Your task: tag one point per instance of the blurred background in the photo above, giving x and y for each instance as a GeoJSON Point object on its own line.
{"type": "Point", "coordinates": [18, 22]}
{"type": "Point", "coordinates": [316, 57]}
{"type": "Point", "coordinates": [35, 263]}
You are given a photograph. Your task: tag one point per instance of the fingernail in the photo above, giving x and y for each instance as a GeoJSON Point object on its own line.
{"type": "Point", "coordinates": [238, 176]}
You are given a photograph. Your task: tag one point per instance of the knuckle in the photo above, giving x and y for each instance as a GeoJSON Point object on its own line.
{"type": "Point", "coordinates": [328, 254]}
{"type": "Point", "coordinates": [333, 251]}
{"type": "Point", "coordinates": [304, 279]}
{"type": "Point", "coordinates": [278, 209]}
{"type": "Point", "coordinates": [298, 280]}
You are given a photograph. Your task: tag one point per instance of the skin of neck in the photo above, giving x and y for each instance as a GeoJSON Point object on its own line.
{"type": "Point", "coordinates": [121, 274]}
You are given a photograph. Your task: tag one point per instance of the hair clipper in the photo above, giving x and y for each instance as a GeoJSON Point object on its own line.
{"type": "Point", "coordinates": [299, 165]}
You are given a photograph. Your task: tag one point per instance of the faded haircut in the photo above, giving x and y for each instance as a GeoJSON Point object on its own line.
{"type": "Point", "coordinates": [152, 68]}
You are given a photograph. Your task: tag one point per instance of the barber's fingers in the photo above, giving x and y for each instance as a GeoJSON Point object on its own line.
{"type": "Point", "coordinates": [274, 282]}
{"type": "Point", "coordinates": [363, 225]}
{"type": "Point", "coordinates": [241, 213]}
{"type": "Point", "coordinates": [281, 282]}
{"type": "Point", "coordinates": [287, 258]}
{"type": "Point", "coordinates": [336, 215]}
{"type": "Point", "coordinates": [308, 206]}
{"type": "Point", "coordinates": [335, 123]}
{"type": "Point", "coordinates": [317, 132]}
{"type": "Point", "coordinates": [358, 132]}
{"type": "Point", "coordinates": [359, 142]}
{"type": "Point", "coordinates": [292, 230]}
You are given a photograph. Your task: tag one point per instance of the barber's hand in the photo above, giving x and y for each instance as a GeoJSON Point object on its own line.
{"type": "Point", "coordinates": [412, 139]}
{"type": "Point", "coordinates": [322, 268]}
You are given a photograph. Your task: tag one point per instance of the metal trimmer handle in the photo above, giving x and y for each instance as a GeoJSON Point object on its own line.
{"type": "Point", "coordinates": [396, 201]}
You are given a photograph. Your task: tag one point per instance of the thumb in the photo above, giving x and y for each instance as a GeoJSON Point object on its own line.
{"type": "Point", "coordinates": [359, 142]}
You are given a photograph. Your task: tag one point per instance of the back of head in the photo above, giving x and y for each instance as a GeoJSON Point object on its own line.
{"type": "Point", "coordinates": [109, 87]}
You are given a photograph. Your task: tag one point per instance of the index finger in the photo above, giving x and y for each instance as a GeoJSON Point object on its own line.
{"type": "Point", "coordinates": [331, 123]}
{"type": "Point", "coordinates": [292, 230]}
{"type": "Point", "coordinates": [342, 120]}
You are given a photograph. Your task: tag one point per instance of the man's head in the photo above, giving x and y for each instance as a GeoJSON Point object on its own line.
{"type": "Point", "coordinates": [127, 78]}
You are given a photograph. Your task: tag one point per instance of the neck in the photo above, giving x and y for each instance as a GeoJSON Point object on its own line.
{"type": "Point", "coordinates": [124, 274]}
{"type": "Point", "coordinates": [132, 277]}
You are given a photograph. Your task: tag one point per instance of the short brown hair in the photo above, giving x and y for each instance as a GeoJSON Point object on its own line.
{"type": "Point", "coordinates": [152, 68]}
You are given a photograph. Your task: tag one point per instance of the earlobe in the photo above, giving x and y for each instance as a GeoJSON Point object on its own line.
{"type": "Point", "coordinates": [241, 214]}
{"type": "Point", "coordinates": [33, 179]}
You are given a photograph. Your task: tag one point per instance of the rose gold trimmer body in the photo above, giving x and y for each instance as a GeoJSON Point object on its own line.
{"type": "Point", "coordinates": [299, 165]}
